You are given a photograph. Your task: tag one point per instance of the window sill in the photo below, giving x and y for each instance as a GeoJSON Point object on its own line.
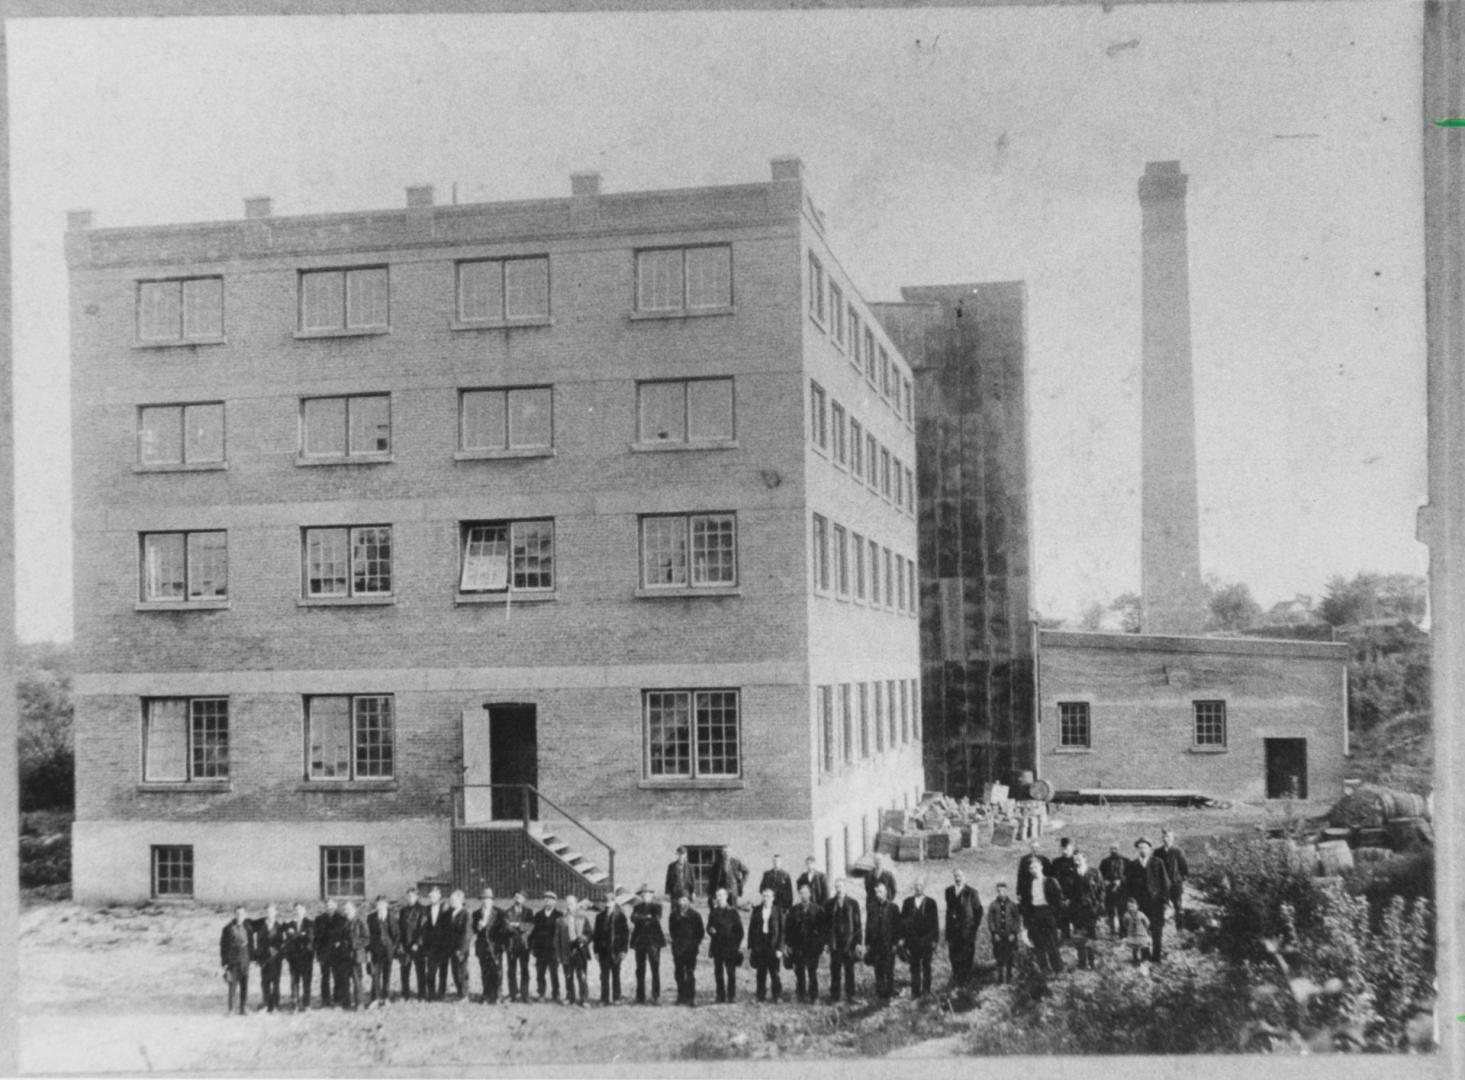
{"type": "Point", "coordinates": [682, 313]}
{"type": "Point", "coordinates": [345, 601]}
{"type": "Point", "coordinates": [1208, 749]}
{"type": "Point", "coordinates": [510, 454]}
{"type": "Point", "coordinates": [186, 787]}
{"type": "Point", "coordinates": [181, 605]}
{"type": "Point", "coordinates": [347, 332]}
{"type": "Point", "coordinates": [506, 598]}
{"type": "Point", "coordinates": [842, 599]}
{"type": "Point", "coordinates": [182, 466]}
{"type": "Point", "coordinates": [689, 784]}
{"type": "Point", "coordinates": [179, 343]}
{"type": "Point", "coordinates": [1073, 750]}
{"type": "Point", "coordinates": [691, 444]}
{"type": "Point", "coordinates": [678, 592]}
{"type": "Point", "coordinates": [358, 786]}
{"type": "Point", "coordinates": [302, 461]}
{"type": "Point", "coordinates": [501, 324]}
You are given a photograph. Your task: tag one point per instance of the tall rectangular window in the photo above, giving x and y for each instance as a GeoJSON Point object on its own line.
{"type": "Point", "coordinates": [1073, 725]}
{"type": "Point", "coordinates": [185, 739]}
{"type": "Point", "coordinates": [870, 355]}
{"type": "Point", "coordinates": [693, 734]}
{"type": "Point", "coordinates": [910, 572]}
{"type": "Point", "coordinates": [826, 727]}
{"type": "Point", "coordinates": [506, 556]}
{"type": "Point", "coordinates": [181, 566]}
{"type": "Point", "coordinates": [349, 737]}
{"type": "Point", "coordinates": [836, 312]}
{"type": "Point", "coordinates": [856, 449]}
{"type": "Point", "coordinates": [343, 873]}
{"type": "Point", "coordinates": [890, 709]}
{"type": "Point", "coordinates": [348, 561]}
{"type": "Point", "coordinates": [684, 411]}
{"type": "Point", "coordinates": [857, 548]}
{"type": "Point", "coordinates": [910, 405]}
{"type": "Point", "coordinates": [182, 310]}
{"type": "Point", "coordinates": [841, 560]}
{"type": "Point", "coordinates": [818, 430]}
{"type": "Point", "coordinates": [874, 572]}
{"type": "Point", "coordinates": [836, 422]}
{"type": "Point", "coordinates": [1210, 723]}
{"type": "Point", "coordinates": [180, 434]}
{"type": "Point", "coordinates": [684, 279]}
{"type": "Point", "coordinates": [689, 550]}
{"type": "Point", "coordinates": [905, 725]}
{"type": "Point", "coordinates": [899, 478]}
{"type": "Point", "coordinates": [872, 460]}
{"type": "Point", "coordinates": [846, 723]}
{"type": "Point", "coordinates": [354, 299]}
{"type": "Point", "coordinates": [501, 290]}
{"type": "Point", "coordinates": [172, 870]}
{"type": "Point", "coordinates": [916, 709]}
{"type": "Point", "coordinates": [885, 472]}
{"type": "Point", "coordinates": [885, 372]}
{"type": "Point", "coordinates": [889, 577]}
{"type": "Point", "coordinates": [864, 721]}
{"type": "Point", "coordinates": [359, 425]}
{"type": "Point", "coordinates": [878, 690]}
{"type": "Point", "coordinates": [821, 552]}
{"type": "Point", "coordinates": [816, 288]}
{"type": "Point", "coordinates": [855, 352]}
{"type": "Point", "coordinates": [519, 418]}
{"type": "Point", "coordinates": [910, 489]}
{"type": "Point", "coordinates": [900, 583]}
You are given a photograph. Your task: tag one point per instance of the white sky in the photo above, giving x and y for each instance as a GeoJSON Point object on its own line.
{"type": "Point", "coordinates": [944, 145]}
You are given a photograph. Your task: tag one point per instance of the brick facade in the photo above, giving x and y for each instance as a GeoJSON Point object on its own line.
{"type": "Point", "coordinates": [584, 653]}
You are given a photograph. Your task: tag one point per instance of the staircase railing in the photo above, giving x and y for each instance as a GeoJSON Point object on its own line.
{"type": "Point", "coordinates": [529, 798]}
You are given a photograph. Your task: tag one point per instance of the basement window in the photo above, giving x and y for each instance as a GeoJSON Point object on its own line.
{"type": "Point", "coordinates": [343, 873]}
{"type": "Point", "coordinates": [172, 870]}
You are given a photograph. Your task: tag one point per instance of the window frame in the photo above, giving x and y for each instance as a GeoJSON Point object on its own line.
{"type": "Point", "coordinates": [878, 712]}
{"type": "Point", "coordinates": [836, 313]}
{"type": "Point", "coordinates": [195, 754]}
{"type": "Point", "coordinates": [874, 572]}
{"type": "Point", "coordinates": [824, 717]}
{"type": "Point", "coordinates": [857, 545]}
{"type": "Point", "coordinates": [839, 549]}
{"type": "Point", "coordinates": [344, 453]}
{"type": "Point", "coordinates": [856, 450]}
{"type": "Point", "coordinates": [855, 326]}
{"type": "Point", "coordinates": [346, 327]}
{"type": "Point", "coordinates": [1075, 725]}
{"type": "Point", "coordinates": [818, 298]}
{"type": "Point", "coordinates": [689, 555]}
{"type": "Point", "coordinates": [872, 461]}
{"type": "Point", "coordinates": [685, 307]}
{"type": "Point", "coordinates": [351, 594]}
{"type": "Point", "coordinates": [694, 755]}
{"type": "Point", "coordinates": [354, 747]}
{"type": "Point", "coordinates": [504, 318]}
{"type": "Point", "coordinates": [688, 440]}
{"type": "Point", "coordinates": [512, 546]}
{"type": "Point", "coordinates": [864, 696]}
{"type": "Point", "coordinates": [188, 598]}
{"type": "Point", "coordinates": [183, 461]}
{"type": "Point", "coordinates": [357, 857]}
{"type": "Point", "coordinates": [182, 861]}
{"type": "Point", "coordinates": [837, 428]}
{"type": "Point", "coordinates": [819, 544]}
{"type": "Point", "coordinates": [846, 725]}
{"type": "Point", "coordinates": [510, 448]}
{"type": "Point", "coordinates": [818, 416]}
{"type": "Point", "coordinates": [183, 337]}
{"type": "Point", "coordinates": [1216, 740]}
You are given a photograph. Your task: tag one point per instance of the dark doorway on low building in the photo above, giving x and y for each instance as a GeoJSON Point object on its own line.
{"type": "Point", "coordinates": [1286, 768]}
{"type": "Point", "coordinates": [513, 748]}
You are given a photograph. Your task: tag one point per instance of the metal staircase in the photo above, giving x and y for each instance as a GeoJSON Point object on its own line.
{"type": "Point", "coordinates": [526, 853]}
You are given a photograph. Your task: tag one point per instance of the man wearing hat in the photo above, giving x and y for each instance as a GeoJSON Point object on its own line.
{"type": "Point", "coordinates": [383, 936]}
{"type": "Point", "coordinates": [647, 939]}
{"type": "Point", "coordinates": [489, 932]}
{"type": "Point", "coordinates": [817, 882]}
{"type": "Point", "coordinates": [409, 945]}
{"type": "Point", "coordinates": [542, 942]}
{"type": "Point", "coordinates": [437, 944]}
{"type": "Point", "coordinates": [687, 931]}
{"type": "Point", "coordinates": [1111, 869]}
{"type": "Point", "coordinates": [573, 936]}
{"type": "Point", "coordinates": [724, 945]}
{"type": "Point", "coordinates": [679, 877]}
{"type": "Point", "coordinates": [518, 928]}
{"type": "Point", "coordinates": [779, 881]}
{"type": "Point", "coordinates": [1147, 881]}
{"type": "Point", "coordinates": [612, 939]}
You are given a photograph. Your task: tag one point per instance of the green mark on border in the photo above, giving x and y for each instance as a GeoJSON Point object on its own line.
{"type": "Point", "coordinates": [1455, 122]}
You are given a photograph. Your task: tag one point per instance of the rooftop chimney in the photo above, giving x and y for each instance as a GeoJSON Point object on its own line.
{"type": "Point", "coordinates": [419, 196]}
{"type": "Point", "coordinates": [257, 206]}
{"type": "Point", "coordinates": [788, 167]}
{"type": "Point", "coordinates": [585, 183]}
{"type": "Point", "coordinates": [79, 219]}
{"type": "Point", "coordinates": [1173, 597]}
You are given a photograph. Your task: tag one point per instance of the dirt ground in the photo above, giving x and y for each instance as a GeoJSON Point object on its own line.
{"type": "Point", "coordinates": [138, 988]}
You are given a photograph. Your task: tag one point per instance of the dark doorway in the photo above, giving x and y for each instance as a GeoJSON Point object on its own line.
{"type": "Point", "coordinates": [513, 756]}
{"type": "Point", "coordinates": [1286, 768]}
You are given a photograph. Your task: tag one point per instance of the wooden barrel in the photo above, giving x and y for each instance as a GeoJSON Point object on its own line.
{"type": "Point", "coordinates": [1040, 790]}
{"type": "Point", "coordinates": [1364, 855]}
{"type": "Point", "coordinates": [1334, 857]}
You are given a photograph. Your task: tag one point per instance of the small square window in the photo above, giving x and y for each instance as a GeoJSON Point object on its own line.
{"type": "Point", "coordinates": [183, 566]}
{"type": "Point", "coordinates": [172, 870]}
{"type": "Point", "coordinates": [184, 310]}
{"type": "Point", "coordinates": [1210, 723]}
{"type": "Point", "coordinates": [1073, 725]}
{"type": "Point", "coordinates": [341, 300]}
{"type": "Point", "coordinates": [343, 873]}
{"type": "Point", "coordinates": [348, 561]}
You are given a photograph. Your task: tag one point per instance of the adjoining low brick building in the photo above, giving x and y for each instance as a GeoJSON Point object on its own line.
{"type": "Point", "coordinates": [1234, 718]}
{"type": "Point", "coordinates": [609, 495]}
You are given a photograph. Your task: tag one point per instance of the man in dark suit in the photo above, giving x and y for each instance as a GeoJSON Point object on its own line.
{"type": "Point", "coordinates": [963, 919]}
{"type": "Point", "coordinates": [1025, 869]}
{"type": "Point", "coordinates": [647, 940]}
{"type": "Point", "coordinates": [844, 925]}
{"type": "Point", "coordinates": [350, 953]}
{"type": "Point", "coordinates": [805, 933]}
{"type": "Point", "coordinates": [612, 939]}
{"type": "Point", "coordinates": [573, 937]}
{"type": "Point", "coordinates": [518, 928]}
{"type": "Point", "coordinates": [724, 945]}
{"type": "Point", "coordinates": [409, 945]}
{"type": "Point", "coordinates": [1061, 870]}
{"type": "Point", "coordinates": [686, 932]}
{"type": "Point", "coordinates": [300, 955]}
{"type": "Point", "coordinates": [920, 929]}
{"type": "Point", "coordinates": [882, 934]}
{"type": "Point", "coordinates": [1176, 867]}
{"type": "Point", "coordinates": [1004, 923]}
{"type": "Point", "coordinates": [679, 881]}
{"type": "Point", "coordinates": [817, 882]}
{"type": "Point", "coordinates": [459, 943]}
{"type": "Point", "coordinates": [1147, 882]}
{"type": "Point", "coordinates": [437, 939]}
{"type": "Point", "coordinates": [1040, 914]}
{"type": "Point", "coordinates": [1111, 870]}
{"type": "Point", "coordinates": [779, 881]}
{"type": "Point", "coordinates": [728, 872]}
{"type": "Point", "coordinates": [383, 936]}
{"type": "Point", "coordinates": [269, 936]}
{"type": "Point", "coordinates": [325, 928]}
{"type": "Point", "coordinates": [766, 946]}
{"type": "Point", "coordinates": [234, 953]}
{"type": "Point", "coordinates": [489, 934]}
{"type": "Point", "coordinates": [541, 941]}
{"type": "Point", "coordinates": [881, 875]}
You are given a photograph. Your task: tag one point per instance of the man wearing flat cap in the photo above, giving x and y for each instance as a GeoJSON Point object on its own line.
{"type": "Point", "coordinates": [612, 939]}
{"type": "Point", "coordinates": [1147, 881]}
{"type": "Point", "coordinates": [647, 940]}
{"type": "Point", "coordinates": [518, 929]}
{"type": "Point", "coordinates": [489, 937]}
{"type": "Point", "coordinates": [542, 942]}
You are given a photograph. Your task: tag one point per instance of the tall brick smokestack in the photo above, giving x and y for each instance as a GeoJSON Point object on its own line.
{"type": "Point", "coordinates": [1170, 582]}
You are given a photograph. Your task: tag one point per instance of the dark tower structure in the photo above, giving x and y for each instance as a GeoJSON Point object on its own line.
{"type": "Point", "coordinates": [967, 347]}
{"type": "Point", "coordinates": [1170, 582]}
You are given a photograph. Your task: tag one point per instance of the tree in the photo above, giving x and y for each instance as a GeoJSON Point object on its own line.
{"type": "Point", "coordinates": [1092, 617]}
{"type": "Point", "coordinates": [1131, 612]}
{"type": "Point", "coordinates": [47, 761]}
{"type": "Point", "coordinates": [1231, 605]}
{"type": "Point", "coordinates": [1370, 595]}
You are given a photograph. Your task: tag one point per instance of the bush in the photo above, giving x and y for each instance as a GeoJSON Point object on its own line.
{"type": "Point", "coordinates": [1250, 882]}
{"type": "Point", "coordinates": [47, 763]}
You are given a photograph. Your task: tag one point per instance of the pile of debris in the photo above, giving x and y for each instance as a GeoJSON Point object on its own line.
{"type": "Point", "coordinates": [939, 826]}
{"type": "Point", "coordinates": [1368, 824]}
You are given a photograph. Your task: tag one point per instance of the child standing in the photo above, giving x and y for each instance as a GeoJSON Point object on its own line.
{"type": "Point", "coordinates": [1136, 930]}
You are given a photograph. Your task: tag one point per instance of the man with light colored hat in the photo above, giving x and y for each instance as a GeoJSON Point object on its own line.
{"type": "Point", "coordinates": [647, 940]}
{"type": "Point", "coordinates": [612, 939]}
